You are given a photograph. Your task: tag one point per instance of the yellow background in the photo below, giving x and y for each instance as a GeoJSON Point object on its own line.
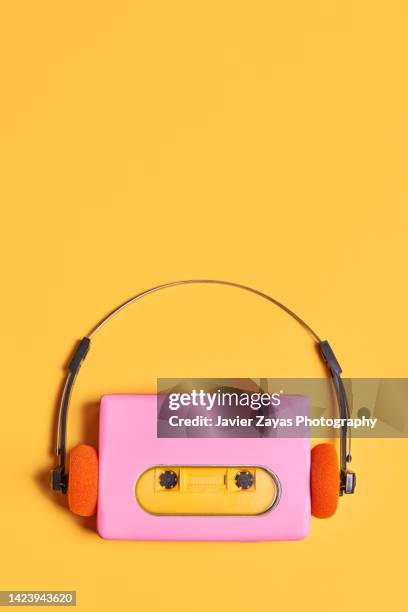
{"type": "Point", "coordinates": [262, 142]}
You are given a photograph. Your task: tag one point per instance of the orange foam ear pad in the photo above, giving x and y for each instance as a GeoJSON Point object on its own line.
{"type": "Point", "coordinates": [83, 480]}
{"type": "Point", "coordinates": [324, 480]}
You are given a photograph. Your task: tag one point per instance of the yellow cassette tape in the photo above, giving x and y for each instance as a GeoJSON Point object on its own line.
{"type": "Point", "coordinates": [207, 490]}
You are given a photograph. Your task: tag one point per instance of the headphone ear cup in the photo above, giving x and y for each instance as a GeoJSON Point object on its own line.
{"type": "Point", "coordinates": [83, 480]}
{"type": "Point", "coordinates": [324, 480]}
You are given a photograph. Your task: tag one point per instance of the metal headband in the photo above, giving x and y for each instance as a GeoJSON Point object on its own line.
{"type": "Point", "coordinates": [59, 480]}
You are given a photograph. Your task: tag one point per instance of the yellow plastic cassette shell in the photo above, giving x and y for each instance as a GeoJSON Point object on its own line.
{"type": "Point", "coordinates": [207, 490]}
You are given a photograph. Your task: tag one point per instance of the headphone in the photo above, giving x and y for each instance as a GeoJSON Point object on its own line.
{"type": "Point", "coordinates": [329, 479]}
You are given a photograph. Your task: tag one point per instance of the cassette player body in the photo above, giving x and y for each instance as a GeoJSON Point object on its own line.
{"type": "Point", "coordinates": [219, 489]}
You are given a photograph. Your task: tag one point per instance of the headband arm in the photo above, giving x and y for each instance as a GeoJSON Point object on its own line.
{"type": "Point", "coordinates": [347, 478]}
{"type": "Point", "coordinates": [59, 477]}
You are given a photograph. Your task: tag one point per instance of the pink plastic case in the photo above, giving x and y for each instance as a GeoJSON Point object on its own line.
{"type": "Point", "coordinates": [128, 445]}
